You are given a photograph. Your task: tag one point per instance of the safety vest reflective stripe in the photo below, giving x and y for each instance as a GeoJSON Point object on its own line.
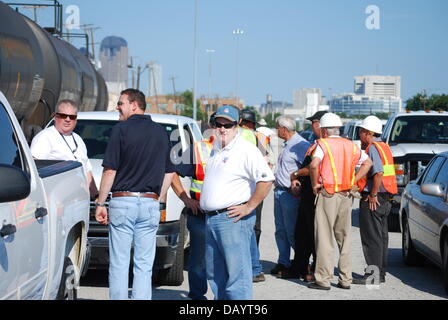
{"type": "Point", "coordinates": [263, 139]}
{"type": "Point", "coordinates": [338, 165]}
{"type": "Point", "coordinates": [389, 180]}
{"type": "Point", "coordinates": [333, 166]}
{"type": "Point", "coordinates": [202, 150]}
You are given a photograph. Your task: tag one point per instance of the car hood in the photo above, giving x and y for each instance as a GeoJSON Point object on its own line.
{"type": "Point", "coordinates": [402, 149]}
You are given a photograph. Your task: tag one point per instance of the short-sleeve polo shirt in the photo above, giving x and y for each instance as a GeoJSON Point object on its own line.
{"type": "Point", "coordinates": [139, 150]}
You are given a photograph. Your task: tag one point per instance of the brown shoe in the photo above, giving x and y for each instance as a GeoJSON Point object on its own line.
{"type": "Point", "coordinates": [259, 278]}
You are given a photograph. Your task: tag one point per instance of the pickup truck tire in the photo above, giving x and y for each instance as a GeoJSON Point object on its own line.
{"type": "Point", "coordinates": [174, 276]}
{"type": "Point", "coordinates": [67, 287]}
{"type": "Point", "coordinates": [445, 263]}
{"type": "Point", "coordinates": [410, 256]}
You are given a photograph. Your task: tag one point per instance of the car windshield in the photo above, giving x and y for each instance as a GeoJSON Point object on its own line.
{"type": "Point", "coordinates": [95, 134]}
{"type": "Point", "coordinates": [420, 129]}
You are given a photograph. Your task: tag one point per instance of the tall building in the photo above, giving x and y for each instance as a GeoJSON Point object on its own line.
{"type": "Point", "coordinates": [155, 79]}
{"type": "Point", "coordinates": [114, 67]}
{"type": "Point", "coordinates": [307, 101]}
{"type": "Point", "coordinates": [378, 86]}
{"type": "Point", "coordinates": [114, 59]}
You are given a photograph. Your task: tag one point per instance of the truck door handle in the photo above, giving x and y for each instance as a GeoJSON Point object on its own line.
{"type": "Point", "coordinates": [40, 213]}
{"type": "Point", "coordinates": [7, 230]}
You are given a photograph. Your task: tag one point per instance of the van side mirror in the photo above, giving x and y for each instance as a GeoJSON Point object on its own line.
{"type": "Point", "coordinates": [15, 184]}
{"type": "Point", "coordinates": [433, 189]}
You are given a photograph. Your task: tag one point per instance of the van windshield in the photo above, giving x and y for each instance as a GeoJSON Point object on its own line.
{"type": "Point", "coordinates": [96, 133]}
{"type": "Point", "coordinates": [420, 129]}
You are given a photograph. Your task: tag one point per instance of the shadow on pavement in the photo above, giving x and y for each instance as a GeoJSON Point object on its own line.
{"type": "Point", "coordinates": [427, 279]}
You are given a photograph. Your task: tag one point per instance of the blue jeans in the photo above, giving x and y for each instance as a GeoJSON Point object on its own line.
{"type": "Point", "coordinates": [197, 274]}
{"type": "Point", "coordinates": [132, 219]}
{"type": "Point", "coordinates": [228, 258]}
{"type": "Point", "coordinates": [286, 209]}
{"type": "Point", "coordinates": [255, 254]}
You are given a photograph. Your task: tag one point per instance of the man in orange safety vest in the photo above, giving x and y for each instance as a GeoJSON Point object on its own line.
{"type": "Point", "coordinates": [332, 178]}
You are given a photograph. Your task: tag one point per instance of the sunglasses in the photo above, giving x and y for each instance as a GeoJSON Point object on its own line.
{"type": "Point", "coordinates": [226, 125]}
{"type": "Point", "coordinates": [64, 116]}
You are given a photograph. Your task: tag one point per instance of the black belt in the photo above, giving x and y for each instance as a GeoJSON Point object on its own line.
{"type": "Point", "coordinates": [216, 212]}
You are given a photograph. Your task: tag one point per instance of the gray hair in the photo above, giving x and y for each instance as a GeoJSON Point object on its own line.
{"type": "Point", "coordinates": [333, 131]}
{"type": "Point", "coordinates": [67, 101]}
{"type": "Point", "coordinates": [286, 122]}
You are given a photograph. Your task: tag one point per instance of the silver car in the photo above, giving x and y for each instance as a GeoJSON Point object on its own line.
{"type": "Point", "coordinates": [424, 217]}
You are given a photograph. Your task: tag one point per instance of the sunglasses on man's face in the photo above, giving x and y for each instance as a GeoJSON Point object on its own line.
{"type": "Point", "coordinates": [64, 116]}
{"type": "Point", "coordinates": [225, 125]}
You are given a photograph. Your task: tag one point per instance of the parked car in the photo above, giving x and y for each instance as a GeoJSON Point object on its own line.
{"type": "Point", "coordinates": [308, 135]}
{"type": "Point", "coordinates": [44, 218]}
{"type": "Point", "coordinates": [172, 234]}
{"type": "Point", "coordinates": [424, 217]}
{"type": "Point", "coordinates": [414, 139]}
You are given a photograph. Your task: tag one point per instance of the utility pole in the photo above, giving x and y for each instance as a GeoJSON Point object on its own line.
{"type": "Point", "coordinates": [174, 92]}
{"type": "Point", "coordinates": [151, 68]}
{"type": "Point", "coordinates": [90, 28]}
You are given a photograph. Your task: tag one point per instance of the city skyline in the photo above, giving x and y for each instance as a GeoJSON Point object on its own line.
{"type": "Point", "coordinates": [286, 45]}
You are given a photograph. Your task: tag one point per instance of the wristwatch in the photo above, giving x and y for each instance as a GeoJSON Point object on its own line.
{"type": "Point", "coordinates": [98, 204]}
{"type": "Point", "coordinates": [296, 174]}
{"type": "Point", "coordinates": [373, 195]}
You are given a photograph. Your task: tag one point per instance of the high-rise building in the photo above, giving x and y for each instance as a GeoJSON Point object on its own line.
{"type": "Point", "coordinates": [155, 79]}
{"type": "Point", "coordinates": [114, 67]}
{"type": "Point", "coordinates": [114, 59]}
{"type": "Point", "coordinates": [307, 101]}
{"type": "Point", "coordinates": [378, 86]}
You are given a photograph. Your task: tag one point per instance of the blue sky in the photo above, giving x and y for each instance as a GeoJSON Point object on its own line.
{"type": "Point", "coordinates": [286, 45]}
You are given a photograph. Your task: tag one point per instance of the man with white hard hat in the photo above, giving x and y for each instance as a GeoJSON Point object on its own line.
{"type": "Point", "coordinates": [374, 208]}
{"type": "Point", "coordinates": [332, 178]}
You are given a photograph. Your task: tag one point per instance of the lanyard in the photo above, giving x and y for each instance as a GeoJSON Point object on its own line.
{"type": "Point", "coordinates": [76, 145]}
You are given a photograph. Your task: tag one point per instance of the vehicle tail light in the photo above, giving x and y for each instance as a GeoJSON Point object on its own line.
{"type": "Point", "coordinates": [400, 174]}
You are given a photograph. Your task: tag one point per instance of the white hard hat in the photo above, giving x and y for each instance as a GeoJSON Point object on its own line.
{"type": "Point", "coordinates": [330, 120]}
{"type": "Point", "coordinates": [373, 124]}
{"type": "Point", "coordinates": [262, 122]}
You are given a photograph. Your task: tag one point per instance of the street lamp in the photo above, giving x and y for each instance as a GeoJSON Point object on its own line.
{"type": "Point", "coordinates": [195, 57]}
{"type": "Point", "coordinates": [210, 51]}
{"type": "Point", "coordinates": [237, 33]}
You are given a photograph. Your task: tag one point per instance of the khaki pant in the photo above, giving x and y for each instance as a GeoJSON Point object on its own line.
{"type": "Point", "coordinates": [333, 220]}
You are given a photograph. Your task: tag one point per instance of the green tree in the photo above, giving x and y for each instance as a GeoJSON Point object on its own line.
{"type": "Point", "coordinates": [271, 122]}
{"type": "Point", "coordinates": [187, 99]}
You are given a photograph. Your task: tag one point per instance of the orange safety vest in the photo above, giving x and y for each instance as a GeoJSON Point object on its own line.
{"type": "Point", "coordinates": [389, 180]}
{"type": "Point", "coordinates": [338, 165]}
{"type": "Point", "coordinates": [202, 150]}
{"type": "Point", "coordinates": [265, 141]}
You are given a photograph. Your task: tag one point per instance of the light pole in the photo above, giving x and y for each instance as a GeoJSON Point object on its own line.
{"type": "Point", "coordinates": [195, 57]}
{"type": "Point", "coordinates": [210, 51]}
{"type": "Point", "coordinates": [237, 33]}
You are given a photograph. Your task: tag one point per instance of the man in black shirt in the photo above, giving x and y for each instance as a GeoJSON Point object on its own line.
{"type": "Point", "coordinates": [137, 171]}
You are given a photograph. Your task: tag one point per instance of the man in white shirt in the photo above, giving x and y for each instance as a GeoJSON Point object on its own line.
{"type": "Point", "coordinates": [237, 179]}
{"type": "Point", "coordinates": [59, 142]}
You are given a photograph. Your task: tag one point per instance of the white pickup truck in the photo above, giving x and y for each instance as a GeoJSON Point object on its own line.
{"type": "Point", "coordinates": [172, 234]}
{"type": "Point", "coordinates": [44, 215]}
